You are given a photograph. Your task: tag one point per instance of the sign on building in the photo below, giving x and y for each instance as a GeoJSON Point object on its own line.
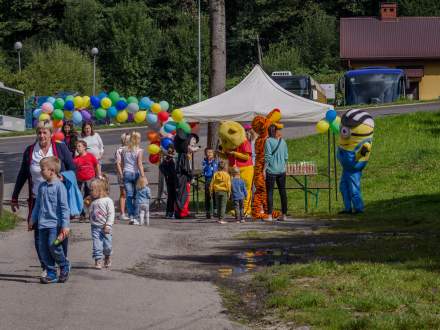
{"type": "Point", "coordinates": [329, 90]}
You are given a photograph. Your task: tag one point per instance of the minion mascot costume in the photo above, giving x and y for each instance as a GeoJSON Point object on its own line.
{"type": "Point", "coordinates": [238, 150]}
{"type": "Point", "coordinates": [356, 136]}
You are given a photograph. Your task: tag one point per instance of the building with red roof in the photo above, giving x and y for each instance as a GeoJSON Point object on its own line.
{"type": "Point", "coordinates": [409, 43]}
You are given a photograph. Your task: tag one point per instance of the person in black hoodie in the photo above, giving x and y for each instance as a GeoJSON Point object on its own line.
{"type": "Point", "coordinates": [168, 169]}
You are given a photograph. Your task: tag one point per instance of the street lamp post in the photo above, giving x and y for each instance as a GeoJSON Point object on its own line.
{"type": "Point", "coordinates": [199, 58]}
{"type": "Point", "coordinates": [18, 46]}
{"type": "Point", "coordinates": [94, 52]}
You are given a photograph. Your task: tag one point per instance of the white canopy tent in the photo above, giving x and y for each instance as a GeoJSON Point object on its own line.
{"type": "Point", "coordinates": [257, 94]}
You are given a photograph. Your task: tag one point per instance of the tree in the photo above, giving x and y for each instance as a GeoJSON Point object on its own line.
{"type": "Point", "coordinates": [58, 68]}
{"type": "Point", "coordinates": [217, 75]}
{"type": "Point", "coordinates": [283, 56]}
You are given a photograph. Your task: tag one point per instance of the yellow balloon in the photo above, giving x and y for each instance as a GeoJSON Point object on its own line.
{"type": "Point", "coordinates": [78, 102]}
{"type": "Point", "coordinates": [86, 102]}
{"type": "Point", "coordinates": [106, 103]}
{"type": "Point", "coordinates": [153, 149]}
{"type": "Point", "coordinates": [122, 116]}
{"type": "Point", "coordinates": [156, 108]}
{"type": "Point", "coordinates": [177, 115]}
{"type": "Point", "coordinates": [68, 114]}
{"type": "Point", "coordinates": [322, 126]}
{"type": "Point", "coordinates": [44, 117]}
{"type": "Point", "coordinates": [140, 116]}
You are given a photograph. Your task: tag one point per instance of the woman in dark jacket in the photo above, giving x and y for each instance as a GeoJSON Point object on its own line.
{"type": "Point", "coordinates": [70, 136]}
{"type": "Point", "coordinates": [30, 170]}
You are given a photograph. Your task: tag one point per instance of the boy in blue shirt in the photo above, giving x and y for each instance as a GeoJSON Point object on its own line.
{"type": "Point", "coordinates": [209, 166]}
{"type": "Point", "coordinates": [239, 193]}
{"type": "Point", "coordinates": [52, 214]}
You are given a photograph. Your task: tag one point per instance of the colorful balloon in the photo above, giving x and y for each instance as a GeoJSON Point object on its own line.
{"type": "Point", "coordinates": [86, 116]}
{"type": "Point", "coordinates": [165, 143]}
{"type": "Point", "coordinates": [59, 103]}
{"type": "Point", "coordinates": [51, 100]}
{"type": "Point", "coordinates": [144, 103]}
{"type": "Point", "coordinates": [114, 97]}
{"type": "Point", "coordinates": [170, 126]}
{"type": "Point", "coordinates": [330, 115]}
{"type": "Point", "coordinates": [154, 159]}
{"type": "Point", "coordinates": [112, 112]}
{"type": "Point", "coordinates": [334, 126]}
{"type": "Point", "coordinates": [37, 112]}
{"type": "Point", "coordinates": [69, 98]}
{"type": "Point", "coordinates": [322, 126]}
{"type": "Point", "coordinates": [177, 115]}
{"type": "Point", "coordinates": [153, 149]}
{"type": "Point", "coordinates": [95, 101]}
{"type": "Point", "coordinates": [152, 118]}
{"type": "Point", "coordinates": [77, 118]}
{"type": "Point", "coordinates": [78, 102]}
{"type": "Point", "coordinates": [86, 102]}
{"type": "Point", "coordinates": [132, 107]}
{"type": "Point", "coordinates": [69, 105]}
{"type": "Point", "coordinates": [57, 123]}
{"type": "Point", "coordinates": [155, 107]}
{"type": "Point", "coordinates": [122, 116]}
{"type": "Point", "coordinates": [121, 105]}
{"type": "Point", "coordinates": [47, 107]}
{"type": "Point", "coordinates": [163, 116]}
{"type": "Point", "coordinates": [68, 114]}
{"type": "Point", "coordinates": [100, 113]}
{"type": "Point", "coordinates": [184, 126]}
{"type": "Point", "coordinates": [164, 105]}
{"type": "Point", "coordinates": [132, 99]}
{"type": "Point", "coordinates": [58, 114]}
{"type": "Point", "coordinates": [140, 116]}
{"type": "Point", "coordinates": [106, 103]}
{"type": "Point", "coordinates": [102, 95]}
{"type": "Point", "coordinates": [44, 116]}
{"type": "Point", "coordinates": [58, 136]}
{"type": "Point", "coordinates": [153, 136]}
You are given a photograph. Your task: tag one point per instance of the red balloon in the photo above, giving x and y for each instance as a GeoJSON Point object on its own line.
{"type": "Point", "coordinates": [153, 136]}
{"type": "Point", "coordinates": [154, 159]}
{"type": "Point", "coordinates": [58, 136]}
{"type": "Point", "coordinates": [194, 127]}
{"type": "Point", "coordinates": [163, 116]}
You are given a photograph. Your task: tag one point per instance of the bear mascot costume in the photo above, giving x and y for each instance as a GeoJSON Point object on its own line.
{"type": "Point", "coordinates": [356, 137]}
{"type": "Point", "coordinates": [238, 150]}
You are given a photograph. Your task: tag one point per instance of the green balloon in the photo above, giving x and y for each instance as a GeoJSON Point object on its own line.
{"type": "Point", "coordinates": [59, 103]}
{"type": "Point", "coordinates": [100, 113]}
{"type": "Point", "coordinates": [184, 126]}
{"type": "Point", "coordinates": [123, 99]}
{"type": "Point", "coordinates": [69, 98]}
{"type": "Point", "coordinates": [58, 114]}
{"type": "Point", "coordinates": [114, 96]}
{"type": "Point", "coordinates": [334, 127]}
{"type": "Point", "coordinates": [132, 99]}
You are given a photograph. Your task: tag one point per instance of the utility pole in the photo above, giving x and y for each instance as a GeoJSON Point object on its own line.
{"type": "Point", "coordinates": [217, 76]}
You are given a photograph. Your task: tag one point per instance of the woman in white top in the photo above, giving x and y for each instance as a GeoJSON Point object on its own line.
{"type": "Point", "coordinates": [93, 140]}
{"type": "Point", "coordinates": [132, 169]}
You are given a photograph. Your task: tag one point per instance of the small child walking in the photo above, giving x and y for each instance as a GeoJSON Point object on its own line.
{"type": "Point", "coordinates": [221, 189]}
{"type": "Point", "coordinates": [102, 217]}
{"type": "Point", "coordinates": [51, 212]}
{"type": "Point", "coordinates": [239, 193]}
{"type": "Point", "coordinates": [209, 166]}
{"type": "Point", "coordinates": [143, 196]}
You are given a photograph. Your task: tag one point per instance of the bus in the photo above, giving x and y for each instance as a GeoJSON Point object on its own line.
{"type": "Point", "coordinates": [301, 85]}
{"type": "Point", "coordinates": [373, 85]}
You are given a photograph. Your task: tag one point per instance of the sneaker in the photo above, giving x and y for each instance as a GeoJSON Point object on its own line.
{"type": "Point", "coordinates": [135, 222]}
{"type": "Point", "coordinates": [222, 222]}
{"type": "Point", "coordinates": [242, 221]}
{"type": "Point", "coordinates": [269, 218]}
{"type": "Point", "coordinates": [131, 222]}
{"type": "Point", "coordinates": [98, 264]}
{"type": "Point", "coordinates": [283, 217]}
{"type": "Point", "coordinates": [48, 279]}
{"type": "Point", "coordinates": [64, 275]}
{"type": "Point", "coordinates": [123, 217]}
{"type": "Point", "coordinates": [43, 273]}
{"type": "Point", "coordinates": [107, 262]}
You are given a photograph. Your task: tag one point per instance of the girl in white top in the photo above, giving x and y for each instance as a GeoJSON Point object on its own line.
{"type": "Point", "coordinates": [132, 170]}
{"type": "Point", "coordinates": [93, 140]}
{"type": "Point", "coordinates": [102, 217]}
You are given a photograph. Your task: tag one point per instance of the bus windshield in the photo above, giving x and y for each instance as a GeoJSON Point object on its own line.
{"type": "Point", "coordinates": [375, 87]}
{"type": "Point", "coordinates": [295, 84]}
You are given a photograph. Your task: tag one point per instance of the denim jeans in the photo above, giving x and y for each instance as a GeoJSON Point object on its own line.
{"type": "Point", "coordinates": [130, 179]}
{"type": "Point", "coordinates": [50, 253]}
{"type": "Point", "coordinates": [280, 179]}
{"type": "Point", "coordinates": [144, 213]}
{"type": "Point", "coordinates": [238, 207]}
{"type": "Point", "coordinates": [64, 244]}
{"type": "Point", "coordinates": [102, 243]}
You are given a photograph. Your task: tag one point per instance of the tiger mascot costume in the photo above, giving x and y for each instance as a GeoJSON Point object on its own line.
{"type": "Point", "coordinates": [260, 125]}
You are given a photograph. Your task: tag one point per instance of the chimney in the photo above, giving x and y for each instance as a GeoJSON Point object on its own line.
{"type": "Point", "coordinates": [388, 11]}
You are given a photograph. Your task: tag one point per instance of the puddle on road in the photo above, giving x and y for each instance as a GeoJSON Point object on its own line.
{"type": "Point", "coordinates": [251, 259]}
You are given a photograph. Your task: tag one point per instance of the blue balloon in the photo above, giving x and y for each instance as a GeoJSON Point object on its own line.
{"type": "Point", "coordinates": [170, 126]}
{"type": "Point", "coordinates": [112, 112]}
{"type": "Point", "coordinates": [121, 105]}
{"type": "Point", "coordinates": [102, 95]}
{"type": "Point", "coordinates": [95, 102]}
{"type": "Point", "coordinates": [144, 103]}
{"type": "Point", "coordinates": [152, 118]}
{"type": "Point", "coordinates": [77, 118]}
{"type": "Point", "coordinates": [165, 143]}
{"type": "Point", "coordinates": [164, 105]}
{"type": "Point", "coordinates": [68, 105]}
{"type": "Point", "coordinates": [51, 100]}
{"type": "Point", "coordinates": [330, 115]}
{"type": "Point", "coordinates": [37, 113]}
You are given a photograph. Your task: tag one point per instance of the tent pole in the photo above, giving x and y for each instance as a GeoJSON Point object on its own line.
{"type": "Point", "coordinates": [329, 164]}
{"type": "Point", "coordinates": [335, 168]}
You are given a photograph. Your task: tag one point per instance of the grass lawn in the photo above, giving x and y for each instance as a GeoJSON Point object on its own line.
{"type": "Point", "coordinates": [7, 221]}
{"type": "Point", "coordinates": [375, 271]}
